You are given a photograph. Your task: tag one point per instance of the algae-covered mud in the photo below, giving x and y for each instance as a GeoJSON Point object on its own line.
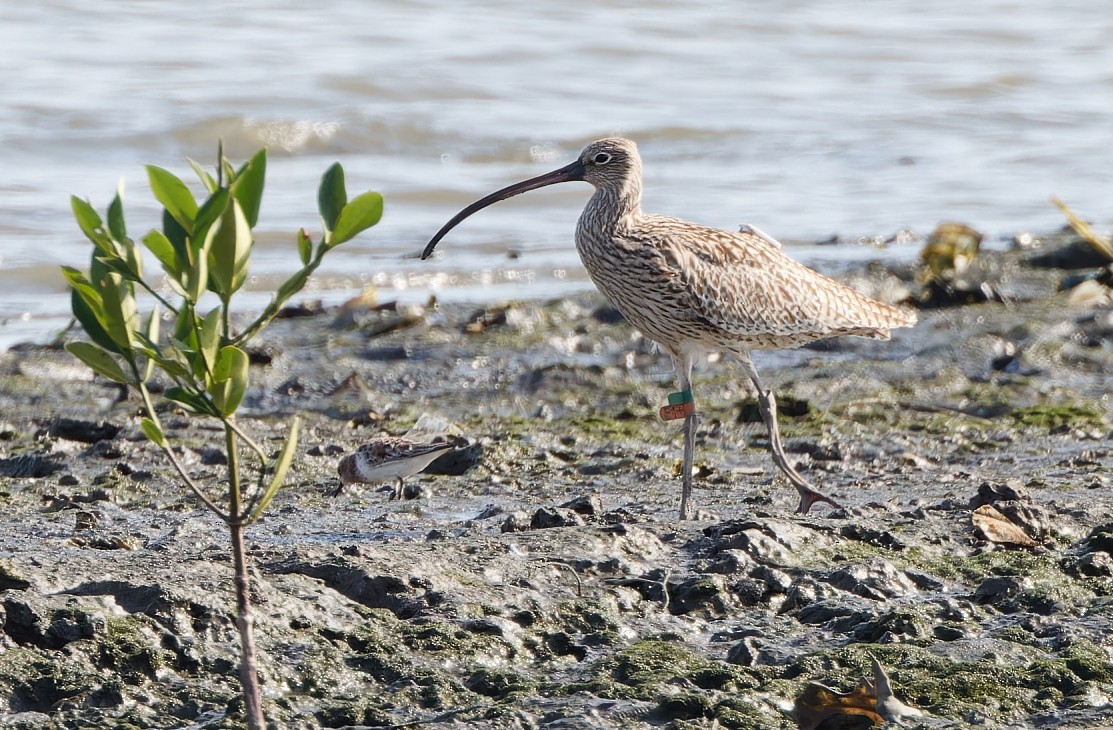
{"type": "Point", "coordinates": [540, 579]}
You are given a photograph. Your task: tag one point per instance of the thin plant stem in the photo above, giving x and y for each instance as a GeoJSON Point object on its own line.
{"type": "Point", "coordinates": [245, 621]}
{"type": "Point", "coordinates": [165, 446]}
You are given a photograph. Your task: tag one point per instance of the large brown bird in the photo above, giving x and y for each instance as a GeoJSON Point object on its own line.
{"type": "Point", "coordinates": [695, 289]}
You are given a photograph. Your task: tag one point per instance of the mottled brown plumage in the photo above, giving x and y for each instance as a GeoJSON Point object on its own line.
{"type": "Point", "coordinates": [695, 289]}
{"type": "Point", "coordinates": [385, 459]}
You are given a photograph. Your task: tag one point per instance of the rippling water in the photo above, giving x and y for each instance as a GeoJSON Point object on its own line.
{"type": "Point", "coordinates": [806, 118]}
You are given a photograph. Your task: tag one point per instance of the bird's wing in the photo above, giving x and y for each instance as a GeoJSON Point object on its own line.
{"type": "Point", "coordinates": [743, 284]}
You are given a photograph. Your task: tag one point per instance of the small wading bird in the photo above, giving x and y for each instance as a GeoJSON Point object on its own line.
{"type": "Point", "coordinates": [695, 289]}
{"type": "Point", "coordinates": [386, 459]}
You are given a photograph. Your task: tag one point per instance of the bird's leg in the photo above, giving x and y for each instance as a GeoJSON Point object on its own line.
{"type": "Point", "coordinates": [686, 469]}
{"type": "Point", "coordinates": [683, 366]}
{"type": "Point", "coordinates": [767, 404]}
{"type": "Point", "coordinates": [397, 492]}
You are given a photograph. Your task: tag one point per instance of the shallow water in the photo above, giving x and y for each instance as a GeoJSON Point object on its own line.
{"type": "Point", "coordinates": [806, 119]}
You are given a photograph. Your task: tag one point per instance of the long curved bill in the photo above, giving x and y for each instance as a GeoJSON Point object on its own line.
{"type": "Point", "coordinates": [568, 173]}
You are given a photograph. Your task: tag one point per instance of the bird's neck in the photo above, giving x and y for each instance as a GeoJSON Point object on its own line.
{"type": "Point", "coordinates": [614, 208]}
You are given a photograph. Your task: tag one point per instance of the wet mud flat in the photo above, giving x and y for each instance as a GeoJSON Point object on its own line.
{"type": "Point", "coordinates": [541, 578]}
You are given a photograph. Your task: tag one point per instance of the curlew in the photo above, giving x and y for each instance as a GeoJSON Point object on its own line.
{"type": "Point", "coordinates": [385, 459]}
{"type": "Point", "coordinates": [695, 289]}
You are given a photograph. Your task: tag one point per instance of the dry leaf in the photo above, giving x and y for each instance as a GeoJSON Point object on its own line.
{"type": "Point", "coordinates": [822, 708]}
{"type": "Point", "coordinates": [996, 527]}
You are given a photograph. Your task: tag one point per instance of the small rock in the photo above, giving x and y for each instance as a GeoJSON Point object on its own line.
{"type": "Point", "coordinates": [547, 517]}
{"type": "Point", "coordinates": [212, 456]}
{"type": "Point", "coordinates": [997, 588]}
{"type": "Point", "coordinates": [491, 510]}
{"type": "Point", "coordinates": [589, 505]}
{"type": "Point", "coordinates": [29, 466]}
{"type": "Point", "coordinates": [515, 522]}
{"type": "Point", "coordinates": [745, 653]}
{"type": "Point", "coordinates": [87, 432]}
{"type": "Point", "coordinates": [878, 580]}
{"type": "Point", "coordinates": [708, 592]}
{"type": "Point", "coordinates": [1096, 564]}
{"type": "Point", "coordinates": [991, 493]}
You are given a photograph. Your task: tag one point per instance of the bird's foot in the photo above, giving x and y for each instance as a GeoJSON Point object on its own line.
{"type": "Point", "coordinates": [809, 496]}
{"type": "Point", "coordinates": [398, 490]}
{"type": "Point", "coordinates": [334, 490]}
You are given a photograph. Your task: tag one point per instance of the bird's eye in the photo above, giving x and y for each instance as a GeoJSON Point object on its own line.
{"type": "Point", "coordinates": [601, 158]}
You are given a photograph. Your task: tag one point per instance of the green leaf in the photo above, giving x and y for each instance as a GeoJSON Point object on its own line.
{"type": "Point", "coordinates": [133, 259]}
{"type": "Point", "coordinates": [357, 216]}
{"type": "Point", "coordinates": [281, 467]}
{"type": "Point", "coordinates": [208, 214]}
{"type": "Point", "coordinates": [116, 224]}
{"type": "Point", "coordinates": [203, 175]}
{"type": "Point", "coordinates": [158, 244]}
{"type": "Point", "coordinates": [185, 328]}
{"type": "Point", "coordinates": [305, 246]}
{"type": "Point", "coordinates": [98, 360]}
{"type": "Point", "coordinates": [120, 312]}
{"type": "Point", "coordinates": [197, 281]}
{"type": "Point", "coordinates": [91, 225]}
{"type": "Point", "coordinates": [169, 190]}
{"type": "Point", "coordinates": [154, 432]}
{"type": "Point", "coordinates": [179, 239]}
{"type": "Point", "coordinates": [209, 342]}
{"type": "Point", "coordinates": [248, 186]}
{"type": "Point", "coordinates": [229, 248]}
{"type": "Point", "coordinates": [188, 400]}
{"type": "Point", "coordinates": [331, 195]}
{"type": "Point", "coordinates": [229, 379]}
{"type": "Point", "coordinates": [150, 333]}
{"type": "Point", "coordinates": [89, 311]}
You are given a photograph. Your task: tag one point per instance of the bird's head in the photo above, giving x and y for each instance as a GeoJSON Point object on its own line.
{"type": "Point", "coordinates": [608, 164]}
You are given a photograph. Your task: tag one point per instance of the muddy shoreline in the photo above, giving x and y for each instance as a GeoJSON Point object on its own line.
{"type": "Point", "coordinates": [541, 580]}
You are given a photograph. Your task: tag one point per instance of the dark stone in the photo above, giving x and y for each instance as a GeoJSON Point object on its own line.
{"type": "Point", "coordinates": [748, 592]}
{"type": "Point", "coordinates": [260, 356]}
{"type": "Point", "coordinates": [386, 353]}
{"type": "Point", "coordinates": [1100, 539]}
{"type": "Point", "coordinates": [890, 625]}
{"type": "Point", "coordinates": [355, 582]}
{"type": "Point", "coordinates": [325, 450]}
{"type": "Point", "coordinates": [731, 561]}
{"type": "Point", "coordinates": [491, 510]}
{"type": "Point", "coordinates": [877, 580]}
{"type": "Point", "coordinates": [871, 536]}
{"type": "Point", "coordinates": [86, 432]}
{"type": "Point", "coordinates": [495, 683]}
{"type": "Point", "coordinates": [212, 456]}
{"type": "Point", "coordinates": [589, 505]}
{"type": "Point", "coordinates": [991, 493]}
{"type": "Point", "coordinates": [827, 610]}
{"type": "Point", "coordinates": [1096, 564]}
{"type": "Point", "coordinates": [948, 632]}
{"type": "Point", "coordinates": [1072, 253]}
{"type": "Point", "coordinates": [776, 581]}
{"type": "Point", "coordinates": [29, 466]}
{"type": "Point", "coordinates": [515, 522]}
{"type": "Point", "coordinates": [698, 592]}
{"type": "Point", "coordinates": [547, 517]}
{"type": "Point", "coordinates": [104, 450]}
{"type": "Point", "coordinates": [996, 588]}
{"type": "Point", "coordinates": [745, 653]}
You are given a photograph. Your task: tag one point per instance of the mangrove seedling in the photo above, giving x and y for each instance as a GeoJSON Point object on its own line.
{"type": "Point", "coordinates": [204, 249]}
